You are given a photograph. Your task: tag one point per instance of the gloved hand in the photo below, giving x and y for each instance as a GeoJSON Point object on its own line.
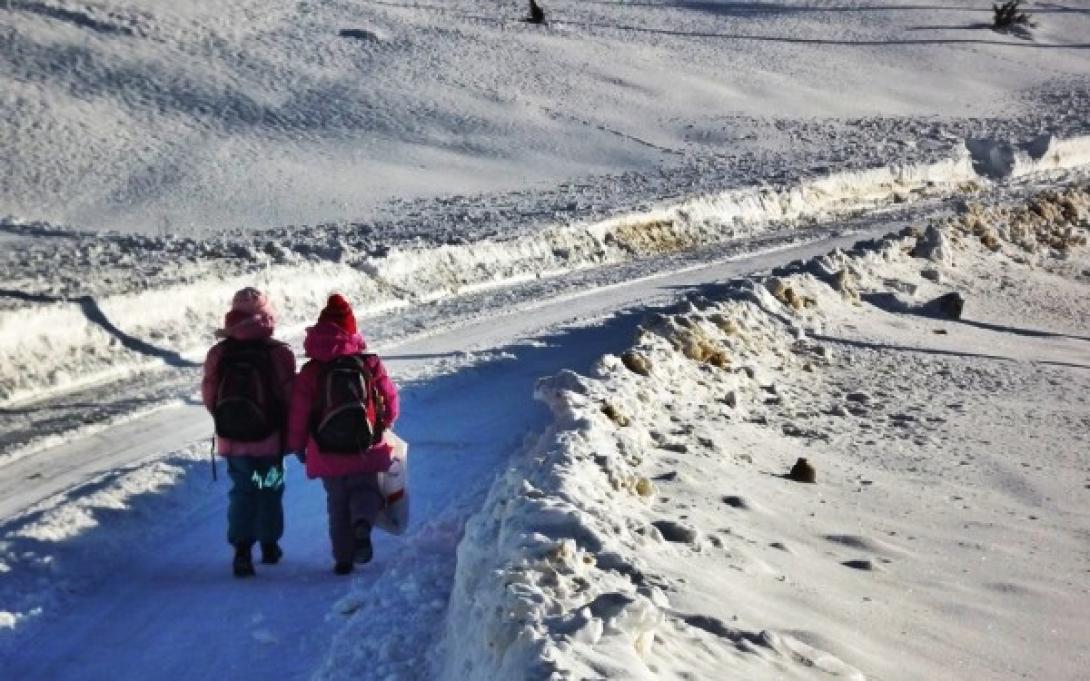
{"type": "Point", "coordinates": [301, 455]}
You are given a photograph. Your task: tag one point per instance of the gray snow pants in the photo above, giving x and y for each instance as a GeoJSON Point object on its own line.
{"type": "Point", "coordinates": [353, 501]}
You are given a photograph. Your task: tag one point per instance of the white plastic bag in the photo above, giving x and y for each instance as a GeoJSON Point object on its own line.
{"type": "Point", "coordinates": [394, 517]}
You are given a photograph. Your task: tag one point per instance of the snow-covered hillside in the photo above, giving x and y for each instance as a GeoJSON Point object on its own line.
{"type": "Point", "coordinates": [207, 115]}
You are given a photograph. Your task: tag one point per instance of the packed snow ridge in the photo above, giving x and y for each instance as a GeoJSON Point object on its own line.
{"type": "Point", "coordinates": [56, 340]}
{"type": "Point", "coordinates": [652, 531]}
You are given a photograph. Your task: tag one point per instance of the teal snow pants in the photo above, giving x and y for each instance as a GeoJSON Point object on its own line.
{"type": "Point", "coordinates": [255, 512]}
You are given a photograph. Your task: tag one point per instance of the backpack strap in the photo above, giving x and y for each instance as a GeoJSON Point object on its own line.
{"type": "Point", "coordinates": [319, 404]}
{"type": "Point", "coordinates": [376, 395]}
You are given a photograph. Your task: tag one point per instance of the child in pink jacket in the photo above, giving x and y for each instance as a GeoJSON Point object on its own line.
{"type": "Point", "coordinates": [254, 462]}
{"type": "Point", "coordinates": [353, 498]}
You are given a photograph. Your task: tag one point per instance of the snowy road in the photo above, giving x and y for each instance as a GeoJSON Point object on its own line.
{"type": "Point", "coordinates": [161, 601]}
{"type": "Point", "coordinates": [504, 200]}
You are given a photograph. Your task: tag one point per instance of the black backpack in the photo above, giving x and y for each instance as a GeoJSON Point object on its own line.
{"type": "Point", "coordinates": [246, 408]}
{"type": "Point", "coordinates": [345, 419]}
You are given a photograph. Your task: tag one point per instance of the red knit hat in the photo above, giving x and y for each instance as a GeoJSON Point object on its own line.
{"type": "Point", "coordinates": [338, 311]}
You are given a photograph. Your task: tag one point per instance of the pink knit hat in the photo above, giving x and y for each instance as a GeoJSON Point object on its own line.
{"type": "Point", "coordinates": [249, 308]}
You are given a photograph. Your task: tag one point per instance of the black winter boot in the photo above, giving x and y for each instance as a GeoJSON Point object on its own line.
{"type": "Point", "coordinates": [270, 553]}
{"type": "Point", "coordinates": [364, 552]}
{"type": "Point", "coordinates": [244, 564]}
{"type": "Point", "coordinates": [342, 568]}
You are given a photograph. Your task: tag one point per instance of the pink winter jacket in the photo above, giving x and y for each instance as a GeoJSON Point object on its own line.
{"type": "Point", "coordinates": [325, 342]}
{"type": "Point", "coordinates": [283, 362]}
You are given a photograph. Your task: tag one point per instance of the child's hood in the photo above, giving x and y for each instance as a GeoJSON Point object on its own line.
{"type": "Point", "coordinates": [326, 341]}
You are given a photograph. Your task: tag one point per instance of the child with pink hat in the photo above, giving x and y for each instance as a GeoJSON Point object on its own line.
{"type": "Point", "coordinates": [246, 387]}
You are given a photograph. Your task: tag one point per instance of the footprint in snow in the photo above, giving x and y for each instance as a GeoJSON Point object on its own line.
{"type": "Point", "coordinates": [860, 543]}
{"type": "Point", "coordinates": [736, 502]}
{"type": "Point", "coordinates": [359, 34]}
{"type": "Point", "coordinates": [347, 605]}
{"type": "Point", "coordinates": [614, 562]}
{"type": "Point", "coordinates": [850, 540]}
{"type": "Point", "coordinates": [713, 625]}
{"type": "Point", "coordinates": [608, 606]}
{"type": "Point", "coordinates": [676, 532]}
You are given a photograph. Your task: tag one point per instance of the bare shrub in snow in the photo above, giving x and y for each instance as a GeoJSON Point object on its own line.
{"type": "Point", "coordinates": [1010, 15]}
{"type": "Point", "coordinates": [636, 363]}
{"type": "Point", "coordinates": [802, 471]}
{"type": "Point", "coordinates": [725, 324]}
{"type": "Point", "coordinates": [1051, 221]}
{"type": "Point", "coordinates": [693, 342]}
{"type": "Point", "coordinates": [537, 15]}
{"type": "Point", "coordinates": [652, 237]}
{"type": "Point", "coordinates": [614, 414]}
{"type": "Point", "coordinates": [787, 295]}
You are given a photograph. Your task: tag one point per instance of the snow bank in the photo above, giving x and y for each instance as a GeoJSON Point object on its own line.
{"type": "Point", "coordinates": [65, 543]}
{"type": "Point", "coordinates": [59, 345]}
{"type": "Point", "coordinates": [1002, 159]}
{"type": "Point", "coordinates": [51, 343]}
{"type": "Point", "coordinates": [585, 563]}
{"type": "Point", "coordinates": [551, 576]}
